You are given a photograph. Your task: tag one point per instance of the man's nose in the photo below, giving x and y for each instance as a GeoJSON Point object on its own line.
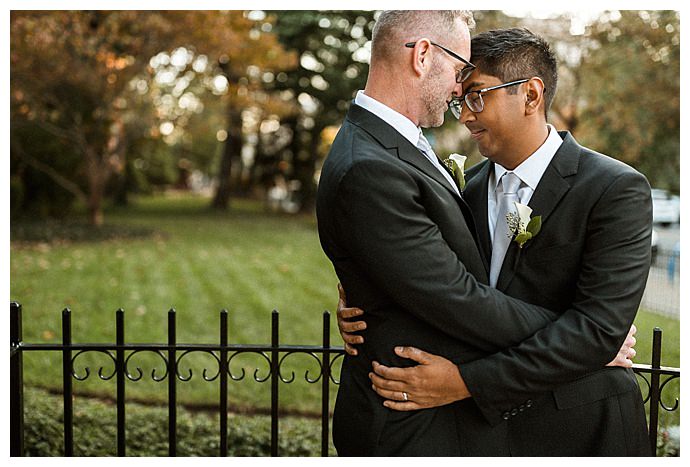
{"type": "Point", "coordinates": [466, 115]}
{"type": "Point", "coordinates": [457, 90]}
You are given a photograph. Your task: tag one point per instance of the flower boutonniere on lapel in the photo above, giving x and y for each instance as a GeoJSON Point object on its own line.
{"type": "Point", "coordinates": [523, 227]}
{"type": "Point", "coordinates": [456, 164]}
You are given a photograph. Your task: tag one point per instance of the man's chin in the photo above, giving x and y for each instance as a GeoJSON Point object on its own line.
{"type": "Point", "coordinates": [485, 152]}
{"type": "Point", "coordinates": [490, 157]}
{"type": "Point", "coordinates": [432, 122]}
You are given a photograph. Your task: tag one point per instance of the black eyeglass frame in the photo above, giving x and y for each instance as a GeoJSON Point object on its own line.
{"type": "Point", "coordinates": [455, 104]}
{"type": "Point", "coordinates": [462, 74]}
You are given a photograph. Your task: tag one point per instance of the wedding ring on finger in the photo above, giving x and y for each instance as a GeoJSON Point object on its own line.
{"type": "Point", "coordinates": [405, 397]}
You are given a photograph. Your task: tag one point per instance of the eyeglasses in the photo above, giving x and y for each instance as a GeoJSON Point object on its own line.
{"type": "Point", "coordinates": [461, 75]}
{"type": "Point", "coordinates": [474, 99]}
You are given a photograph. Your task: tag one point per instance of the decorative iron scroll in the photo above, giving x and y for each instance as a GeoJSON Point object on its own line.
{"type": "Point", "coordinates": [131, 377]}
{"type": "Point", "coordinates": [87, 370]}
{"type": "Point", "coordinates": [260, 374]}
{"type": "Point", "coordinates": [662, 386]}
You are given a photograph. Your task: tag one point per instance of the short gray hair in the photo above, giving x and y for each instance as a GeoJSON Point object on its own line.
{"type": "Point", "coordinates": [394, 27]}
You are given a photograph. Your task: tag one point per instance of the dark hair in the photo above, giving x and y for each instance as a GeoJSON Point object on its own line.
{"type": "Point", "coordinates": [516, 53]}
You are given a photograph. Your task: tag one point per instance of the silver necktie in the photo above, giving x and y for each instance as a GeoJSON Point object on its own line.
{"type": "Point", "coordinates": [424, 146]}
{"type": "Point", "coordinates": [502, 235]}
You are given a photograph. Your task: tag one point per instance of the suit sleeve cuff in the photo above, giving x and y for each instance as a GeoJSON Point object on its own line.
{"type": "Point", "coordinates": [469, 373]}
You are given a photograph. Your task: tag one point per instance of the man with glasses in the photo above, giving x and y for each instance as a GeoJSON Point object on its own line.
{"type": "Point", "coordinates": [588, 262]}
{"type": "Point", "coordinates": [402, 241]}
{"type": "Point", "coordinates": [460, 75]}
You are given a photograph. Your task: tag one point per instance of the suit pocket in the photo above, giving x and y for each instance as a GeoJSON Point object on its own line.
{"type": "Point", "coordinates": [594, 387]}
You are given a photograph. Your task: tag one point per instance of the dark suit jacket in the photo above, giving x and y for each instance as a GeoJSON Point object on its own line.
{"type": "Point", "coordinates": [402, 244]}
{"type": "Point", "coordinates": [589, 263]}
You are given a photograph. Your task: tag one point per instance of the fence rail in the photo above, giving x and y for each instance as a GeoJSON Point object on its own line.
{"type": "Point", "coordinates": [223, 352]}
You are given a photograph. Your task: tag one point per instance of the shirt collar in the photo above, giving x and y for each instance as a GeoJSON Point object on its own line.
{"type": "Point", "coordinates": [531, 169]}
{"type": "Point", "coordinates": [398, 121]}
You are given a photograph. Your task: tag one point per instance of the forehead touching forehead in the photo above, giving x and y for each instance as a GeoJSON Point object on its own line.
{"type": "Point", "coordinates": [480, 79]}
{"type": "Point", "coordinates": [396, 27]}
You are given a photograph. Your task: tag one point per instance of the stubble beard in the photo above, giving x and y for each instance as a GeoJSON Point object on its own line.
{"type": "Point", "coordinates": [434, 98]}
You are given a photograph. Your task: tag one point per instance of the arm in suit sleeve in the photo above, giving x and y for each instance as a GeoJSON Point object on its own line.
{"type": "Point", "coordinates": [381, 215]}
{"type": "Point", "coordinates": [615, 265]}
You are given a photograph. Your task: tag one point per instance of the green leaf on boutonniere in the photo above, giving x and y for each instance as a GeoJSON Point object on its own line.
{"type": "Point", "coordinates": [534, 225]}
{"type": "Point", "coordinates": [523, 227]}
{"type": "Point", "coordinates": [456, 164]}
{"type": "Point", "coordinates": [522, 237]}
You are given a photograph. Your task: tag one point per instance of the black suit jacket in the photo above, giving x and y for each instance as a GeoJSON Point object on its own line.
{"type": "Point", "coordinates": [589, 263]}
{"type": "Point", "coordinates": [402, 244]}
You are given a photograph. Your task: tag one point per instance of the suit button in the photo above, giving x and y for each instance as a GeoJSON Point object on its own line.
{"type": "Point", "coordinates": [529, 403]}
{"type": "Point", "coordinates": [522, 408]}
{"type": "Point", "coordinates": [514, 412]}
{"type": "Point", "coordinates": [506, 415]}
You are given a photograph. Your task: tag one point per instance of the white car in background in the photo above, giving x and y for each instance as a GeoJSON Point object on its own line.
{"type": "Point", "coordinates": [665, 207]}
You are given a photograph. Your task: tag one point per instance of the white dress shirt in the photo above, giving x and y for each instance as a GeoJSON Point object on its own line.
{"type": "Point", "coordinates": [530, 172]}
{"type": "Point", "coordinates": [402, 125]}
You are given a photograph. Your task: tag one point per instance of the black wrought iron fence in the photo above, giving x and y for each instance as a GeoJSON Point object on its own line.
{"type": "Point", "coordinates": [223, 352]}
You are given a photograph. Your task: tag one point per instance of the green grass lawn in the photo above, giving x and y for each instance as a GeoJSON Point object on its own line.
{"type": "Point", "coordinates": [198, 262]}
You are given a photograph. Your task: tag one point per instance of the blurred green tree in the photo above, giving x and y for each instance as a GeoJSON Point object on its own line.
{"type": "Point", "coordinates": [630, 92]}
{"type": "Point", "coordinates": [71, 75]}
{"type": "Point", "coordinates": [333, 49]}
{"type": "Point", "coordinates": [246, 53]}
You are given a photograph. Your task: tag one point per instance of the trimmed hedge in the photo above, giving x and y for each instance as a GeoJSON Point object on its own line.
{"type": "Point", "coordinates": [147, 430]}
{"type": "Point", "coordinates": [197, 432]}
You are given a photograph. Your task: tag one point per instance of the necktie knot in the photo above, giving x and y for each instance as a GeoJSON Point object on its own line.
{"type": "Point", "coordinates": [423, 145]}
{"type": "Point", "coordinates": [511, 183]}
{"type": "Point", "coordinates": [426, 149]}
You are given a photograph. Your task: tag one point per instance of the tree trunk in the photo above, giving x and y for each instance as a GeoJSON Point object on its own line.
{"type": "Point", "coordinates": [97, 173]}
{"type": "Point", "coordinates": [121, 169]}
{"type": "Point", "coordinates": [121, 188]}
{"type": "Point", "coordinates": [231, 151]}
{"type": "Point", "coordinates": [95, 199]}
{"type": "Point", "coordinates": [96, 215]}
{"type": "Point", "coordinates": [304, 164]}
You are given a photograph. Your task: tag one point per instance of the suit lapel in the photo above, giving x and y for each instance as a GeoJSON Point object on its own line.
{"type": "Point", "coordinates": [476, 195]}
{"type": "Point", "coordinates": [391, 139]}
{"type": "Point", "coordinates": [551, 189]}
{"type": "Point", "coordinates": [413, 156]}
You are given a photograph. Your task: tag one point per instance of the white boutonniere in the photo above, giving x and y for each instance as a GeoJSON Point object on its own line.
{"type": "Point", "coordinates": [521, 226]}
{"type": "Point", "coordinates": [456, 164]}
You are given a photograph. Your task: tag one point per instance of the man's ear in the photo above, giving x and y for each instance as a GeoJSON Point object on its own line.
{"type": "Point", "coordinates": [534, 96]}
{"type": "Point", "coordinates": [421, 60]}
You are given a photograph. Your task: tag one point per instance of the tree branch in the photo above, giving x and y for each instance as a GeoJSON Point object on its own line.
{"type": "Point", "coordinates": [56, 176]}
